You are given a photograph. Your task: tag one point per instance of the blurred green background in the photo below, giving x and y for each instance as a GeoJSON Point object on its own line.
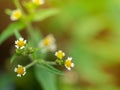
{"type": "Point", "coordinates": [88, 30]}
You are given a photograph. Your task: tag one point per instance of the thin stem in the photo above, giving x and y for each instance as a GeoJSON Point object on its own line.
{"type": "Point", "coordinates": [28, 24]}
{"type": "Point", "coordinates": [31, 64]}
{"type": "Point", "coordinates": [17, 4]}
{"type": "Point", "coordinates": [29, 29]}
{"type": "Point", "coordinates": [46, 62]}
{"type": "Point", "coordinates": [17, 34]}
{"type": "Point", "coordinates": [51, 63]}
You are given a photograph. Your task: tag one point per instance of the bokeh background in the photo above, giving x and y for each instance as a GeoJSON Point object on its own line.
{"type": "Point", "coordinates": [88, 30]}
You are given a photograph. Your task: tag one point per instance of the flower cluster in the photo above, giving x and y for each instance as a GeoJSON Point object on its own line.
{"type": "Point", "coordinates": [67, 63]}
{"type": "Point", "coordinates": [47, 43]}
{"type": "Point", "coordinates": [35, 53]}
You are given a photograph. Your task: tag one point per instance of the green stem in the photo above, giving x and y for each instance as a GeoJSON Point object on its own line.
{"type": "Point", "coordinates": [29, 29]}
{"type": "Point", "coordinates": [17, 4]}
{"type": "Point", "coordinates": [17, 34]}
{"type": "Point", "coordinates": [28, 24]}
{"type": "Point", "coordinates": [39, 62]}
{"type": "Point", "coordinates": [51, 63]}
{"type": "Point", "coordinates": [31, 64]}
{"type": "Point", "coordinates": [46, 62]}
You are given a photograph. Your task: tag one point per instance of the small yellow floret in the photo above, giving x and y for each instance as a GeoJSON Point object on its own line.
{"type": "Point", "coordinates": [60, 54]}
{"type": "Point", "coordinates": [38, 2]}
{"type": "Point", "coordinates": [68, 63]}
{"type": "Point", "coordinates": [20, 70]}
{"type": "Point", "coordinates": [48, 43]}
{"type": "Point", "coordinates": [20, 43]}
{"type": "Point", "coordinates": [16, 14]}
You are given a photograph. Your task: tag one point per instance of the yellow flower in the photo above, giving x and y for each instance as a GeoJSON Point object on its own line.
{"type": "Point", "coordinates": [20, 43]}
{"type": "Point", "coordinates": [38, 2]}
{"type": "Point", "coordinates": [16, 14]}
{"type": "Point", "coordinates": [20, 71]}
{"type": "Point", "coordinates": [60, 54]}
{"type": "Point", "coordinates": [48, 43]}
{"type": "Point", "coordinates": [68, 63]}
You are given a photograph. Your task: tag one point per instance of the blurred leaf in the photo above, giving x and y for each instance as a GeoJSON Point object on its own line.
{"type": "Point", "coordinates": [46, 79]}
{"type": "Point", "coordinates": [45, 13]}
{"type": "Point", "coordinates": [51, 69]}
{"type": "Point", "coordinates": [8, 11]}
{"type": "Point", "coordinates": [10, 30]}
{"type": "Point", "coordinates": [13, 58]}
{"type": "Point", "coordinates": [6, 81]}
{"type": "Point", "coordinates": [86, 65]}
{"type": "Point", "coordinates": [88, 27]}
{"type": "Point", "coordinates": [30, 6]}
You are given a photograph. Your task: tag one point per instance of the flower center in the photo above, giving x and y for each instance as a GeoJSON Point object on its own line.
{"type": "Point", "coordinates": [37, 1]}
{"type": "Point", "coordinates": [68, 63]}
{"type": "Point", "coordinates": [46, 42]}
{"type": "Point", "coordinates": [60, 55]}
{"type": "Point", "coordinates": [20, 70]}
{"type": "Point", "coordinates": [17, 14]}
{"type": "Point", "coordinates": [21, 43]}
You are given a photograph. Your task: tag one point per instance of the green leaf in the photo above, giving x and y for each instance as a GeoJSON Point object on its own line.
{"type": "Point", "coordinates": [46, 79]}
{"type": "Point", "coordinates": [45, 13]}
{"type": "Point", "coordinates": [86, 64]}
{"type": "Point", "coordinates": [6, 81]}
{"type": "Point", "coordinates": [51, 69]}
{"type": "Point", "coordinates": [10, 30]}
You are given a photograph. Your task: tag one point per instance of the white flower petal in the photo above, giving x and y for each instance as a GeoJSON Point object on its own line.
{"type": "Point", "coordinates": [72, 65]}
{"type": "Point", "coordinates": [16, 46]}
{"type": "Point", "coordinates": [68, 68]}
{"type": "Point", "coordinates": [19, 65]}
{"type": "Point", "coordinates": [18, 75]}
{"type": "Point", "coordinates": [24, 69]}
{"type": "Point", "coordinates": [25, 41]}
{"type": "Point", "coordinates": [56, 53]}
{"type": "Point", "coordinates": [22, 47]}
{"type": "Point", "coordinates": [16, 41]}
{"type": "Point", "coordinates": [15, 70]}
{"type": "Point", "coordinates": [69, 58]}
{"type": "Point", "coordinates": [63, 54]}
{"type": "Point", "coordinates": [60, 51]}
{"type": "Point", "coordinates": [21, 39]}
{"type": "Point", "coordinates": [24, 73]}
